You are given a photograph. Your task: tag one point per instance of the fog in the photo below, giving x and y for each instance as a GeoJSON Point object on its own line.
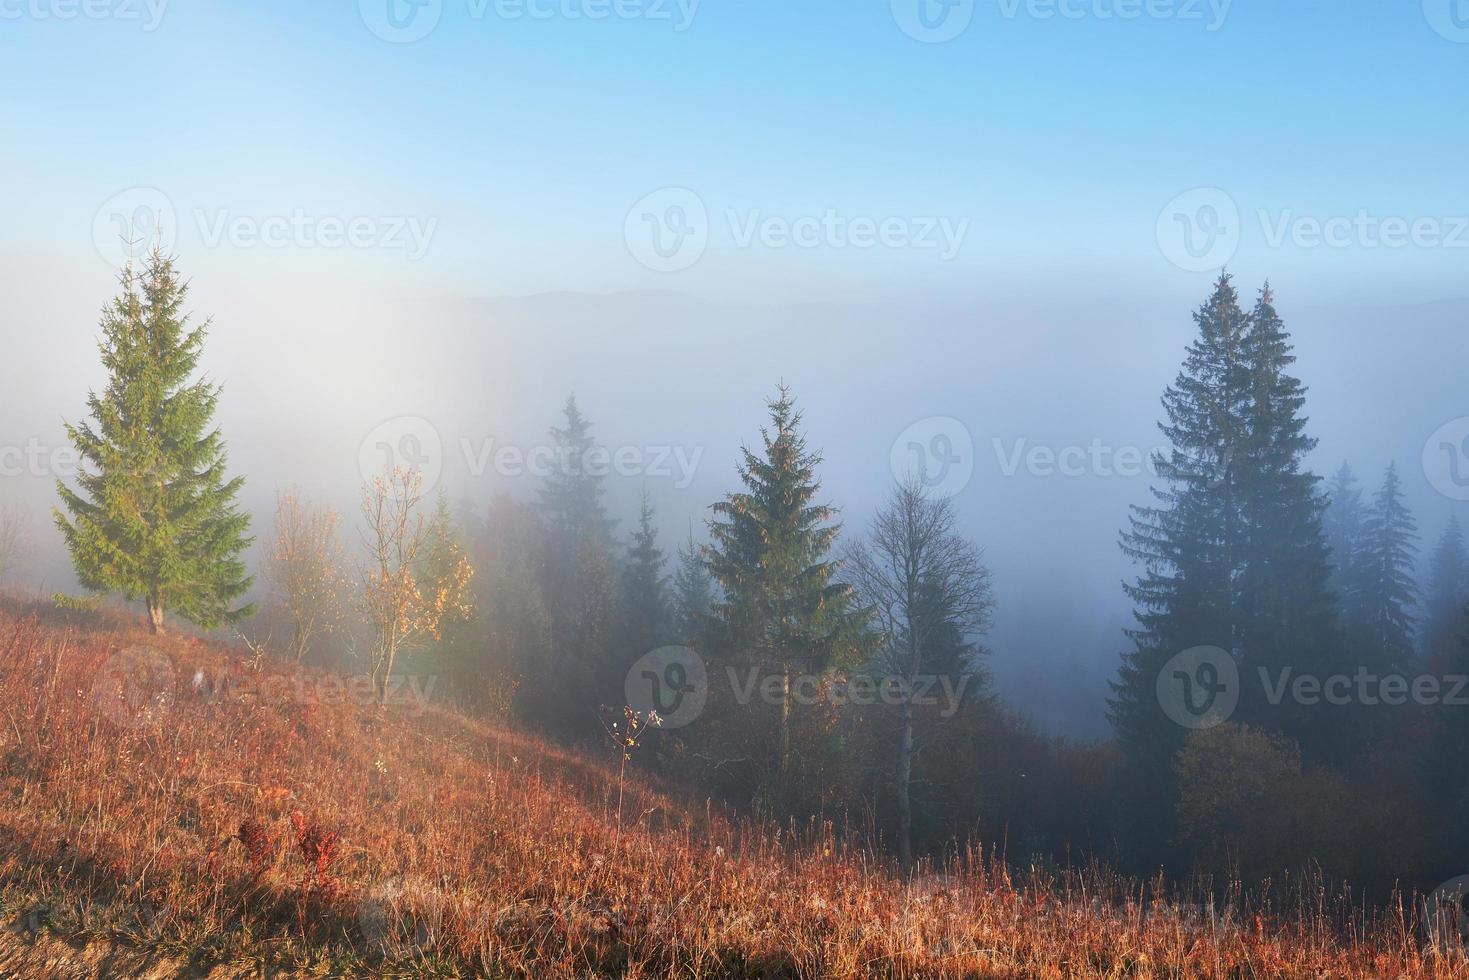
{"type": "Point", "coordinates": [1057, 393]}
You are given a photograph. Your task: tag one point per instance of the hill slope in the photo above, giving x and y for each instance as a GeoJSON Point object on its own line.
{"type": "Point", "coordinates": [170, 807]}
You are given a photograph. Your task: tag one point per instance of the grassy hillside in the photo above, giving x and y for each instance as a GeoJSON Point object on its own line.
{"type": "Point", "coordinates": [171, 807]}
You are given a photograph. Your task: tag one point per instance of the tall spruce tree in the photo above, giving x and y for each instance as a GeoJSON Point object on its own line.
{"type": "Point", "coordinates": [1386, 591]}
{"type": "Point", "coordinates": [1448, 592]}
{"type": "Point", "coordinates": [571, 496]}
{"type": "Point", "coordinates": [782, 609]}
{"type": "Point", "coordinates": [1191, 543]}
{"type": "Point", "coordinates": [155, 516]}
{"type": "Point", "coordinates": [645, 606]}
{"type": "Point", "coordinates": [1232, 552]}
{"type": "Point", "coordinates": [578, 584]}
{"type": "Point", "coordinates": [1286, 612]}
{"type": "Point", "coordinates": [1343, 525]}
{"type": "Point", "coordinates": [693, 592]}
{"type": "Point", "coordinates": [1445, 771]}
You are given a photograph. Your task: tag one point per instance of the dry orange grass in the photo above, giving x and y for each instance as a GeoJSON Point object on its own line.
{"type": "Point", "coordinates": [342, 839]}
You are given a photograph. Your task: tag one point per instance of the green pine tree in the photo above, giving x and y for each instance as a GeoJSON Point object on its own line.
{"type": "Point", "coordinates": [1343, 526]}
{"type": "Point", "coordinates": [693, 592]}
{"type": "Point", "coordinates": [1386, 590]}
{"type": "Point", "coordinates": [646, 614]}
{"type": "Point", "coordinates": [1191, 543]}
{"type": "Point", "coordinates": [571, 496]}
{"type": "Point", "coordinates": [782, 610]}
{"type": "Point", "coordinates": [155, 516]}
{"type": "Point", "coordinates": [1285, 608]}
{"type": "Point", "coordinates": [578, 582]}
{"type": "Point", "coordinates": [1445, 771]}
{"type": "Point", "coordinates": [1448, 591]}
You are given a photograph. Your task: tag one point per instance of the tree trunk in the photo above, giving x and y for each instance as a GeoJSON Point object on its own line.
{"type": "Point", "coordinates": [905, 776]}
{"type": "Point", "coordinates": [785, 726]}
{"type": "Point", "coordinates": [387, 672]}
{"type": "Point", "coordinates": [155, 615]}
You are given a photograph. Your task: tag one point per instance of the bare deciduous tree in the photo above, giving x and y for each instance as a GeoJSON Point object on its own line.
{"type": "Point", "coordinates": [306, 571]}
{"type": "Point", "coordinates": [406, 597]}
{"type": "Point", "coordinates": [928, 583]}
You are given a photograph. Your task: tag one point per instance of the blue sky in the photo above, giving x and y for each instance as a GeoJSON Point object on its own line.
{"type": "Point", "coordinates": [1059, 139]}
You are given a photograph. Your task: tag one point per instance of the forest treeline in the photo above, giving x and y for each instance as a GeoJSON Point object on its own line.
{"type": "Point", "coordinates": [1273, 709]}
